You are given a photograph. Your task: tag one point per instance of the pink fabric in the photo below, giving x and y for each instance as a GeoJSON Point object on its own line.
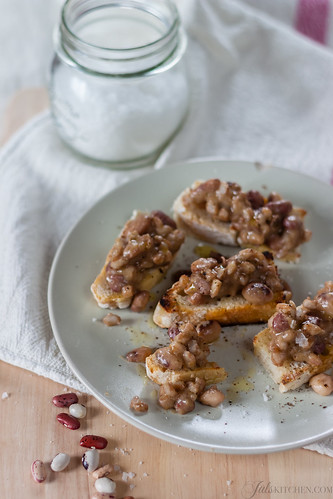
{"type": "Point", "coordinates": [312, 19]}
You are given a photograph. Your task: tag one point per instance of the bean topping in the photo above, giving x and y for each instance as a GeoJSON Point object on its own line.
{"type": "Point", "coordinates": [250, 272]}
{"type": "Point", "coordinates": [303, 333]}
{"type": "Point", "coordinates": [258, 220]}
{"type": "Point", "coordinates": [140, 301]}
{"type": "Point", "coordinates": [148, 241]}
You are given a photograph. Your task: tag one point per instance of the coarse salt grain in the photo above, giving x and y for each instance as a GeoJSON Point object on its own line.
{"type": "Point", "coordinates": [125, 476]}
{"type": "Point", "coordinates": [5, 396]}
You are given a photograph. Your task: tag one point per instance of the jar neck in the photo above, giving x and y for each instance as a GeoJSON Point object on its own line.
{"type": "Point", "coordinates": [119, 37]}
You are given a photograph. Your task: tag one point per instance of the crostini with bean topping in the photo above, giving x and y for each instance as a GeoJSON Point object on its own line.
{"type": "Point", "coordinates": [138, 260]}
{"type": "Point", "coordinates": [242, 289]}
{"type": "Point", "coordinates": [220, 212]}
{"type": "Point", "coordinates": [298, 342]}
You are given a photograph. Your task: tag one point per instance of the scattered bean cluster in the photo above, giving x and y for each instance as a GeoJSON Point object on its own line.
{"type": "Point", "coordinates": [104, 485]}
{"type": "Point", "coordinates": [303, 333]}
{"type": "Point", "coordinates": [250, 273]}
{"type": "Point", "coordinates": [188, 349]}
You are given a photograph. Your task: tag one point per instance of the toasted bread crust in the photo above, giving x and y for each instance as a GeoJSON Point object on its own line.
{"type": "Point", "coordinates": [149, 278]}
{"type": "Point", "coordinates": [291, 374]}
{"type": "Point", "coordinates": [201, 225]}
{"type": "Point", "coordinates": [173, 307]}
{"type": "Point", "coordinates": [211, 373]}
{"type": "Point", "coordinates": [107, 298]}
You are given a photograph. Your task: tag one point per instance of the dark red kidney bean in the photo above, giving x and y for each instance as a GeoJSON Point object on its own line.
{"type": "Point", "coordinates": [65, 399]}
{"type": "Point", "coordinates": [69, 421]}
{"type": "Point", "coordinates": [165, 219]}
{"type": "Point", "coordinates": [292, 223]}
{"type": "Point", "coordinates": [256, 199]}
{"type": "Point", "coordinates": [280, 323]}
{"type": "Point", "coordinates": [281, 207]}
{"type": "Point", "coordinates": [90, 441]}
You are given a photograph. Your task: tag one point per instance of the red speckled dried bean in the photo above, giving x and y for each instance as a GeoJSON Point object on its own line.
{"type": "Point", "coordinates": [69, 421]}
{"type": "Point", "coordinates": [65, 399]}
{"type": "Point", "coordinates": [38, 471]}
{"type": "Point", "coordinates": [93, 441]}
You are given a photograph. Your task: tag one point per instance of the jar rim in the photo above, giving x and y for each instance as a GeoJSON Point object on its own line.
{"type": "Point", "coordinates": [124, 3]}
{"type": "Point", "coordinates": [138, 58]}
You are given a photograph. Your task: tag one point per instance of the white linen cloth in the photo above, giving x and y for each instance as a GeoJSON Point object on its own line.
{"type": "Point", "coordinates": [260, 92]}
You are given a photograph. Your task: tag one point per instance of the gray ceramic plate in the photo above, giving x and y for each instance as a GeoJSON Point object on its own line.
{"type": "Point", "coordinates": [255, 417]}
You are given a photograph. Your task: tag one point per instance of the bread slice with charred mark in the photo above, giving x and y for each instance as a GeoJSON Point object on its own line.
{"type": "Point", "coordinates": [242, 299]}
{"type": "Point", "coordinates": [211, 373]}
{"type": "Point", "coordinates": [228, 311]}
{"type": "Point", "coordinates": [292, 374]}
{"type": "Point", "coordinates": [138, 260]}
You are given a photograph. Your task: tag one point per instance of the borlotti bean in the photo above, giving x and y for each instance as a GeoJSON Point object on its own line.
{"type": "Point", "coordinates": [93, 441]}
{"type": "Point", "coordinates": [68, 421]}
{"type": "Point", "coordinates": [65, 399]}
{"type": "Point", "coordinates": [90, 460]}
{"type": "Point", "coordinates": [103, 471]}
{"type": "Point", "coordinates": [97, 495]}
{"type": "Point", "coordinates": [60, 461]}
{"type": "Point", "coordinates": [38, 471]}
{"type": "Point", "coordinates": [105, 485]}
{"type": "Point", "coordinates": [78, 411]}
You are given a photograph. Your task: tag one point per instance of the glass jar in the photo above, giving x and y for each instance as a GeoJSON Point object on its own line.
{"type": "Point", "coordinates": [119, 90]}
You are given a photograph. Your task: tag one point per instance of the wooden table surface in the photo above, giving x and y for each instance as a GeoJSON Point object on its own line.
{"type": "Point", "coordinates": [30, 431]}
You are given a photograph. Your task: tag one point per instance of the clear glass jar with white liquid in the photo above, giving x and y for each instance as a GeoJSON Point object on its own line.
{"type": "Point", "coordinates": [119, 89]}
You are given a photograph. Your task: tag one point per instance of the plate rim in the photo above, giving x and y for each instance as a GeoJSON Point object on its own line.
{"type": "Point", "coordinates": [135, 421]}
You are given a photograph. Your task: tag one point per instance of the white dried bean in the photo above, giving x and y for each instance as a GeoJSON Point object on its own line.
{"type": "Point", "coordinates": [90, 460]}
{"type": "Point", "coordinates": [38, 471]}
{"type": "Point", "coordinates": [105, 485]}
{"type": "Point", "coordinates": [78, 410]}
{"type": "Point", "coordinates": [60, 461]}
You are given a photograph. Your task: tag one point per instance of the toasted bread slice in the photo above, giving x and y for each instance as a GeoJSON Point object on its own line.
{"type": "Point", "coordinates": [196, 221]}
{"type": "Point", "coordinates": [200, 224]}
{"type": "Point", "coordinates": [230, 304]}
{"type": "Point", "coordinates": [145, 278]}
{"type": "Point", "coordinates": [211, 373]}
{"type": "Point", "coordinates": [174, 307]}
{"type": "Point", "coordinates": [291, 374]}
